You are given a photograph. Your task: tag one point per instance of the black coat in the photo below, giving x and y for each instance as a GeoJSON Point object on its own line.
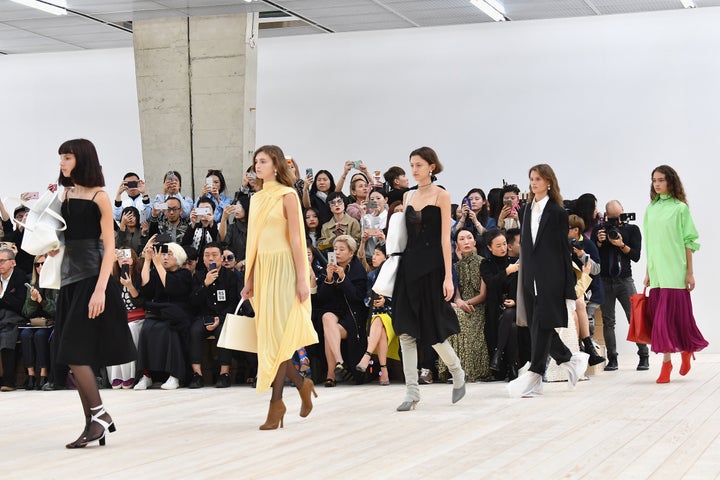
{"type": "Point", "coordinates": [547, 265]}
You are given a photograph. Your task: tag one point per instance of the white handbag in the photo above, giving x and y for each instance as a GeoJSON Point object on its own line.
{"type": "Point", "coordinates": [50, 274]}
{"type": "Point", "coordinates": [42, 224]}
{"type": "Point", "coordinates": [239, 332]}
{"type": "Point", "coordinates": [395, 244]}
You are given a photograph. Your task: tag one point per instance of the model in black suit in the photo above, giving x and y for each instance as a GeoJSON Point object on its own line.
{"type": "Point", "coordinates": [548, 283]}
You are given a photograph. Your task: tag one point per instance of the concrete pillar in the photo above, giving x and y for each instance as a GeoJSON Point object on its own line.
{"type": "Point", "coordinates": [196, 82]}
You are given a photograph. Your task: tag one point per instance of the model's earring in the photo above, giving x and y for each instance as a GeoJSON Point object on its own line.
{"type": "Point", "coordinates": [276, 175]}
{"type": "Point", "coordinates": [548, 186]}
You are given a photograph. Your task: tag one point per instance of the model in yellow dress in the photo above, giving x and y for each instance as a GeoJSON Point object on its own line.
{"type": "Point", "coordinates": [276, 282]}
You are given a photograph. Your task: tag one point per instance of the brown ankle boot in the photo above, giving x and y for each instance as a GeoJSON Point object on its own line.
{"type": "Point", "coordinates": [275, 415]}
{"type": "Point", "coordinates": [307, 388]}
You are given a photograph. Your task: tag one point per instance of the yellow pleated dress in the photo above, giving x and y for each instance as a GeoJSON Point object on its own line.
{"type": "Point", "coordinates": [283, 322]}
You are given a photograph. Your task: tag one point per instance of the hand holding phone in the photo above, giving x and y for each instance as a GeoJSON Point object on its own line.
{"type": "Point", "coordinates": [332, 258]}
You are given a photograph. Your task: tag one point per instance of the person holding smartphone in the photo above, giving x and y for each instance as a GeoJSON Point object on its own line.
{"type": "Point", "coordinates": [127, 270]}
{"type": "Point", "coordinates": [131, 193]}
{"type": "Point", "coordinates": [172, 185]}
{"type": "Point", "coordinates": [203, 229]}
{"type": "Point", "coordinates": [214, 295]}
{"type": "Point", "coordinates": [509, 216]}
{"type": "Point", "coordinates": [214, 189]}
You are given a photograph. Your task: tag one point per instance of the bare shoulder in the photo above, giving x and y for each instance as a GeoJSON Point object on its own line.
{"type": "Point", "coordinates": [443, 195]}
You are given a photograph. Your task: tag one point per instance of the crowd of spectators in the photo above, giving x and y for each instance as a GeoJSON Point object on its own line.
{"type": "Point", "coordinates": [181, 265]}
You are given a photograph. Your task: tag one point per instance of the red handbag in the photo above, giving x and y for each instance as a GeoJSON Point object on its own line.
{"type": "Point", "coordinates": [640, 330]}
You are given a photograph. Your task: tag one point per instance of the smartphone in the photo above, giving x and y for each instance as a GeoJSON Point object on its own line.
{"type": "Point", "coordinates": [209, 182]}
{"type": "Point", "coordinates": [332, 259]}
{"type": "Point", "coordinates": [32, 195]}
{"type": "Point", "coordinates": [357, 163]}
{"type": "Point", "coordinates": [466, 201]}
{"type": "Point", "coordinates": [212, 266]}
{"type": "Point", "coordinates": [28, 285]}
{"type": "Point", "coordinates": [126, 253]}
{"type": "Point", "coordinates": [208, 320]}
{"type": "Point", "coordinates": [508, 202]}
{"type": "Point", "coordinates": [252, 175]}
{"type": "Point", "coordinates": [124, 270]}
{"type": "Point", "coordinates": [171, 176]}
{"type": "Point", "coordinates": [5, 246]}
{"type": "Point", "coordinates": [201, 211]}
{"type": "Point", "coordinates": [164, 248]}
{"type": "Point", "coordinates": [372, 205]}
{"type": "Point", "coordinates": [160, 206]}
{"type": "Point", "coordinates": [131, 184]}
{"type": "Point", "coordinates": [308, 172]}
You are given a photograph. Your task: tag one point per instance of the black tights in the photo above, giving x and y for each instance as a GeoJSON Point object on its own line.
{"type": "Point", "coordinates": [286, 369]}
{"type": "Point", "coordinates": [87, 388]}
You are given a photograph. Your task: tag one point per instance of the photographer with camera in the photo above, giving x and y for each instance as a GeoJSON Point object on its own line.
{"type": "Point", "coordinates": [619, 243]}
{"type": "Point", "coordinates": [131, 193]}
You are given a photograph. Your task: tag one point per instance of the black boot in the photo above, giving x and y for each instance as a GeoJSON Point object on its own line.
{"type": "Point", "coordinates": [644, 363]}
{"type": "Point", "coordinates": [612, 364]}
{"type": "Point", "coordinates": [495, 360]}
{"type": "Point", "coordinates": [589, 348]}
{"type": "Point", "coordinates": [29, 382]}
{"type": "Point", "coordinates": [512, 371]}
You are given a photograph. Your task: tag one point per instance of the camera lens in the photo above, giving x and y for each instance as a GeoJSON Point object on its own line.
{"type": "Point", "coordinates": [613, 234]}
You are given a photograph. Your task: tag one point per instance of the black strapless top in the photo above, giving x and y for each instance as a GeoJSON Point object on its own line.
{"type": "Point", "coordinates": [83, 248]}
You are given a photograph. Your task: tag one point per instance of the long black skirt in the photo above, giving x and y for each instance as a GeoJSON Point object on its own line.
{"type": "Point", "coordinates": [160, 349]}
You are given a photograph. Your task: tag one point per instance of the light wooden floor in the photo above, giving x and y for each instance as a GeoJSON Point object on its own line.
{"type": "Point", "coordinates": [618, 425]}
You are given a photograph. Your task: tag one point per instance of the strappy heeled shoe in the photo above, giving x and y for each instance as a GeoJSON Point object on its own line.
{"type": "Point", "coordinates": [330, 382]}
{"type": "Point", "coordinates": [359, 367]}
{"type": "Point", "coordinates": [384, 379]}
{"type": "Point", "coordinates": [342, 372]}
{"type": "Point", "coordinates": [275, 415]}
{"type": "Point", "coordinates": [407, 405]}
{"type": "Point", "coordinates": [86, 437]}
{"type": "Point", "coordinates": [307, 388]}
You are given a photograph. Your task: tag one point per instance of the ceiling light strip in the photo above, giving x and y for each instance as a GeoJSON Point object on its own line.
{"type": "Point", "coordinates": [57, 8]}
{"type": "Point", "coordinates": [491, 8]}
{"type": "Point", "coordinates": [295, 14]}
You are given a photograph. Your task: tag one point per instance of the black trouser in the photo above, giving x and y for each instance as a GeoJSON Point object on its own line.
{"type": "Point", "coordinates": [9, 366]}
{"type": "Point", "coordinates": [544, 342]}
{"type": "Point", "coordinates": [508, 335]}
{"type": "Point", "coordinates": [35, 347]}
{"type": "Point", "coordinates": [198, 333]}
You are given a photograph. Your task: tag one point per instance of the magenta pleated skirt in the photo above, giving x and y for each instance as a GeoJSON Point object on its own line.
{"type": "Point", "coordinates": [673, 323]}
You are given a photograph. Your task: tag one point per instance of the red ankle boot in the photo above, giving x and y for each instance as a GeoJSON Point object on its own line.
{"type": "Point", "coordinates": [685, 367]}
{"type": "Point", "coordinates": [665, 372]}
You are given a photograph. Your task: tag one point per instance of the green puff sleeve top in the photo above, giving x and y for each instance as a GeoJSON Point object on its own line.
{"type": "Point", "coordinates": [669, 230]}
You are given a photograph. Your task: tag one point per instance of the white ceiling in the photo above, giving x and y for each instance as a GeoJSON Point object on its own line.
{"type": "Point", "coordinates": [94, 24]}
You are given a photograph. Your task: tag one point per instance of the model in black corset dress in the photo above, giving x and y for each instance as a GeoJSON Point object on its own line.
{"type": "Point", "coordinates": [423, 285]}
{"type": "Point", "coordinates": [91, 320]}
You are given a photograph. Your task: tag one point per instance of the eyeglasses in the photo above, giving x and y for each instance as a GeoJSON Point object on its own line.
{"type": "Point", "coordinates": [39, 264]}
{"type": "Point", "coordinates": [228, 258]}
{"type": "Point", "coordinates": [337, 201]}
{"type": "Point", "coordinates": [3, 260]}
{"type": "Point", "coordinates": [173, 209]}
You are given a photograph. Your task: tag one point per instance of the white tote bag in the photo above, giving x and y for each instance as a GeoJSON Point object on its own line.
{"type": "Point", "coordinates": [239, 332]}
{"type": "Point", "coordinates": [50, 274]}
{"type": "Point", "coordinates": [42, 224]}
{"type": "Point", "coordinates": [395, 244]}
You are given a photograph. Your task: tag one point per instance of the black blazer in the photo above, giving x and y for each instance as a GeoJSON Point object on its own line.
{"type": "Point", "coordinates": [547, 264]}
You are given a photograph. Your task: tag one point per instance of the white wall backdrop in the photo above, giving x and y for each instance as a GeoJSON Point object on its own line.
{"type": "Point", "coordinates": [602, 99]}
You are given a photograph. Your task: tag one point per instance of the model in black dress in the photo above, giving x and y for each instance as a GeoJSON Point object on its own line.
{"type": "Point", "coordinates": [91, 320]}
{"type": "Point", "coordinates": [424, 280]}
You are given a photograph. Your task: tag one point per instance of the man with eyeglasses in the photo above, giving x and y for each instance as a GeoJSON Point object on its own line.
{"type": "Point", "coordinates": [12, 299]}
{"type": "Point", "coordinates": [169, 221]}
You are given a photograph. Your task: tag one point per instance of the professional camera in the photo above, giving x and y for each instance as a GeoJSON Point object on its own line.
{"type": "Point", "coordinates": [612, 225]}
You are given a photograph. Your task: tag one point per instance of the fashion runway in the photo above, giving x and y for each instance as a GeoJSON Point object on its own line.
{"type": "Point", "coordinates": [618, 425]}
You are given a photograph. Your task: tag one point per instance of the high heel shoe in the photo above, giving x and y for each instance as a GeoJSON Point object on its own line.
{"type": "Point", "coordinates": [275, 415]}
{"type": "Point", "coordinates": [87, 437]}
{"type": "Point", "coordinates": [665, 372]}
{"type": "Point", "coordinates": [360, 368]}
{"type": "Point", "coordinates": [407, 405]}
{"type": "Point", "coordinates": [307, 388]}
{"type": "Point", "coordinates": [685, 367]}
{"type": "Point", "coordinates": [384, 379]}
